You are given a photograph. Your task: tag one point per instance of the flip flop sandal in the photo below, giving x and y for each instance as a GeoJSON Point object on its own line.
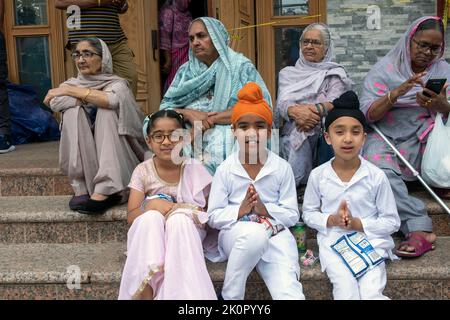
{"type": "Point", "coordinates": [420, 244]}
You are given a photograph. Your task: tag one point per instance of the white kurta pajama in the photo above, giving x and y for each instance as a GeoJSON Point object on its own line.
{"type": "Point", "coordinates": [247, 244]}
{"type": "Point", "coordinates": [369, 197]}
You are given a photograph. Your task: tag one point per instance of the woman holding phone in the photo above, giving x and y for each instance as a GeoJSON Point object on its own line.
{"type": "Point", "coordinates": [396, 100]}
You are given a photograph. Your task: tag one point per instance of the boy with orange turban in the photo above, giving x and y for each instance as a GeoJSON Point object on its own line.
{"type": "Point", "coordinates": [253, 198]}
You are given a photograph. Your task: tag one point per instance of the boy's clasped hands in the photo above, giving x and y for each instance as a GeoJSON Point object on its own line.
{"type": "Point", "coordinates": [344, 219]}
{"type": "Point", "coordinates": [252, 203]}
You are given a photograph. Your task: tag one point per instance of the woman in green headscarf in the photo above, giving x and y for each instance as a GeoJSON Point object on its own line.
{"type": "Point", "coordinates": [205, 88]}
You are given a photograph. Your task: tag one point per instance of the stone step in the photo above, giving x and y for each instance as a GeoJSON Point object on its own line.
{"type": "Point", "coordinates": [49, 220]}
{"type": "Point", "coordinates": [42, 219]}
{"type": "Point", "coordinates": [441, 219]}
{"type": "Point", "coordinates": [33, 170]}
{"type": "Point", "coordinates": [42, 271]}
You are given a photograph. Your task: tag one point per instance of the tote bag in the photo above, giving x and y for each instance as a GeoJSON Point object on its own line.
{"type": "Point", "coordinates": [436, 159]}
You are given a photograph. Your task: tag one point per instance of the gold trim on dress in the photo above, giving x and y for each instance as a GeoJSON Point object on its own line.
{"type": "Point", "coordinates": [193, 213]}
{"type": "Point", "coordinates": [146, 281]}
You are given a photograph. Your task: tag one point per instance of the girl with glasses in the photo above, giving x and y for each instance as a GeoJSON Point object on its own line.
{"type": "Point", "coordinates": [166, 210]}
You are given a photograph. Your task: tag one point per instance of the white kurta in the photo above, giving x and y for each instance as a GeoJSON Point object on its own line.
{"type": "Point", "coordinates": [369, 197]}
{"type": "Point", "coordinates": [275, 185]}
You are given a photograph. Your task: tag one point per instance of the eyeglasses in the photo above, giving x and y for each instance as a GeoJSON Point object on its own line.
{"type": "Point", "coordinates": [314, 43]}
{"type": "Point", "coordinates": [173, 137]}
{"type": "Point", "coordinates": [84, 54]}
{"type": "Point", "coordinates": [424, 47]}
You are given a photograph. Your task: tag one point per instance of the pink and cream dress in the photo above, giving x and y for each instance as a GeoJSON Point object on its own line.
{"type": "Point", "coordinates": [167, 252]}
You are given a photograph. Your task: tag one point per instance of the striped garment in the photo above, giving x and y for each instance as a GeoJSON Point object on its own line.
{"type": "Point", "coordinates": [179, 57]}
{"type": "Point", "coordinates": [101, 22]}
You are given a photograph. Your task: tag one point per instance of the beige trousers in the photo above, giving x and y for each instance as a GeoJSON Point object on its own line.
{"type": "Point", "coordinates": [123, 63]}
{"type": "Point", "coordinates": [95, 157]}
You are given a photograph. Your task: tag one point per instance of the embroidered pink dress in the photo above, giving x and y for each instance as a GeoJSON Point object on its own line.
{"type": "Point", "coordinates": [167, 252]}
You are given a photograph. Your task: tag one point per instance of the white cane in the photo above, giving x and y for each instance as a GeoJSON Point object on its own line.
{"type": "Point", "coordinates": [410, 167]}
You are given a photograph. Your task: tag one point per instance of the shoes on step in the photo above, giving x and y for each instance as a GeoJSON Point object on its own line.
{"type": "Point", "coordinates": [5, 144]}
{"type": "Point", "coordinates": [99, 206]}
{"type": "Point", "coordinates": [77, 202]}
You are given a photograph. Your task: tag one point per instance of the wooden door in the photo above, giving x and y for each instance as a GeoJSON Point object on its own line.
{"type": "Point", "coordinates": [238, 16]}
{"type": "Point", "coordinates": [280, 23]}
{"type": "Point", "coordinates": [34, 44]}
{"type": "Point", "coordinates": [140, 24]}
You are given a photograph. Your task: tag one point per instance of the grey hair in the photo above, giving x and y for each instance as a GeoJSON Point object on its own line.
{"type": "Point", "coordinates": [95, 43]}
{"type": "Point", "coordinates": [324, 32]}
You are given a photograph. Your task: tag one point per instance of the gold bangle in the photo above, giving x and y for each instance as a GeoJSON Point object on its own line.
{"type": "Point", "coordinates": [389, 98]}
{"type": "Point", "coordinates": [87, 95]}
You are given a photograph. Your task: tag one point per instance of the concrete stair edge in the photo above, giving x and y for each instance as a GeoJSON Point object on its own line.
{"type": "Point", "coordinates": [48, 218]}
{"type": "Point", "coordinates": [26, 172]}
{"type": "Point", "coordinates": [47, 208]}
{"type": "Point", "coordinates": [103, 263]}
{"type": "Point", "coordinates": [51, 209]}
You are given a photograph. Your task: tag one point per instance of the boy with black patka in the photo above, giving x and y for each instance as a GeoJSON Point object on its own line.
{"type": "Point", "coordinates": [351, 204]}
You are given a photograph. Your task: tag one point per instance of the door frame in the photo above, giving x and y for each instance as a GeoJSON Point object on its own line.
{"type": "Point", "coordinates": [51, 30]}
{"type": "Point", "coordinates": [265, 33]}
{"type": "Point", "coordinates": [148, 95]}
{"type": "Point", "coordinates": [238, 16]}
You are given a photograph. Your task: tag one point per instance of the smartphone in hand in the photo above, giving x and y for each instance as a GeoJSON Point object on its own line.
{"type": "Point", "coordinates": [435, 85]}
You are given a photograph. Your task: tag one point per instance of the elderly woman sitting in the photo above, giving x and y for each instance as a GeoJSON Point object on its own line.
{"type": "Point", "coordinates": [394, 98]}
{"type": "Point", "coordinates": [205, 88]}
{"type": "Point", "coordinates": [304, 98]}
{"type": "Point", "coordinates": [101, 138]}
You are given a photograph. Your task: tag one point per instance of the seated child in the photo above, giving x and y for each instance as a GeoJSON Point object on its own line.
{"type": "Point", "coordinates": [347, 195]}
{"type": "Point", "coordinates": [253, 202]}
{"type": "Point", "coordinates": [165, 257]}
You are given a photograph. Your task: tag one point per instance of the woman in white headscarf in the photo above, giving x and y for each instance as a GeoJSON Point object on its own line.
{"type": "Point", "coordinates": [304, 97]}
{"type": "Point", "coordinates": [101, 138]}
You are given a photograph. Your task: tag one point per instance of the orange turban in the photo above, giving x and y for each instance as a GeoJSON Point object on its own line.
{"type": "Point", "coordinates": [251, 101]}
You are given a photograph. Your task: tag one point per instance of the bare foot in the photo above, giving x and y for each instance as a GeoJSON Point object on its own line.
{"type": "Point", "coordinates": [147, 294]}
{"type": "Point", "coordinates": [429, 236]}
{"type": "Point", "coordinates": [99, 197]}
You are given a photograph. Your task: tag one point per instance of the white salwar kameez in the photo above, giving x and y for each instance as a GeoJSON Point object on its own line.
{"type": "Point", "coordinates": [369, 197]}
{"type": "Point", "coordinates": [247, 245]}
